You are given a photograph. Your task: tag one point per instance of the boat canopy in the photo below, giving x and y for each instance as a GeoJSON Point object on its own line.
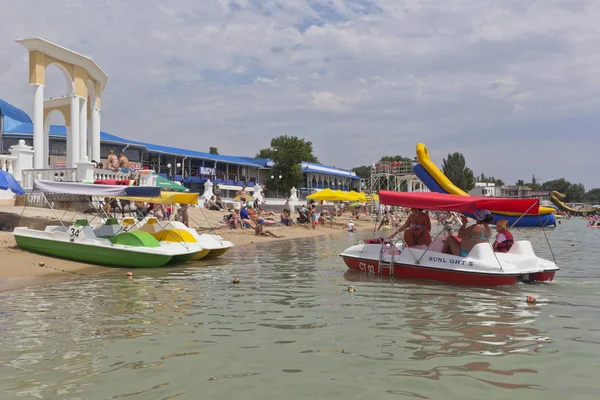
{"type": "Point", "coordinates": [87, 189]}
{"type": "Point", "coordinates": [450, 202]}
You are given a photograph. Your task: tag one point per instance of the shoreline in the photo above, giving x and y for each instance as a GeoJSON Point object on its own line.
{"type": "Point", "coordinates": [22, 269]}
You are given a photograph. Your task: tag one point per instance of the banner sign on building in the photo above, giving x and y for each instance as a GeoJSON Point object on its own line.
{"type": "Point", "coordinates": [206, 171]}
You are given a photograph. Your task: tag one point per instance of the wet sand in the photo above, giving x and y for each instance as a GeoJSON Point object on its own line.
{"type": "Point", "coordinates": [20, 268]}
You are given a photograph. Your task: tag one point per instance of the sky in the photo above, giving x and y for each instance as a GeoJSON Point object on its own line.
{"type": "Point", "coordinates": [514, 85]}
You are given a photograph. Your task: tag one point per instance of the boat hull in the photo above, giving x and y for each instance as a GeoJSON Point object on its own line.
{"type": "Point", "coordinates": [481, 267]}
{"type": "Point", "coordinates": [92, 254]}
{"type": "Point", "coordinates": [435, 274]}
{"type": "Point", "coordinates": [214, 253]}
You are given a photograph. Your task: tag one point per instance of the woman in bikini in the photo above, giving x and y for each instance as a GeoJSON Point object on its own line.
{"type": "Point", "coordinates": [416, 229]}
{"type": "Point", "coordinates": [470, 236]}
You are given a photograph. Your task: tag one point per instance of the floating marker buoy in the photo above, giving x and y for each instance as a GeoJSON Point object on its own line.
{"type": "Point", "coordinates": [387, 228]}
{"type": "Point", "coordinates": [130, 274]}
{"type": "Point", "coordinates": [531, 300]}
{"type": "Point", "coordinates": [236, 281]}
{"type": "Point", "coordinates": [351, 288]}
{"type": "Point", "coordinates": [304, 244]}
{"type": "Point", "coordinates": [42, 264]}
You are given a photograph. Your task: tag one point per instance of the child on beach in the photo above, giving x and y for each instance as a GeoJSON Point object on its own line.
{"type": "Point", "coordinates": [350, 226]}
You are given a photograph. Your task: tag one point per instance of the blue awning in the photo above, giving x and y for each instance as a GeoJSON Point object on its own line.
{"type": "Point", "coordinates": [195, 179]}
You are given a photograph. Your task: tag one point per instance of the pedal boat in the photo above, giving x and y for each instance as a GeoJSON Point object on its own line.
{"type": "Point", "coordinates": [481, 267]}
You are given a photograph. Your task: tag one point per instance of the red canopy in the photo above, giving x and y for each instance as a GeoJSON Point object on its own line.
{"type": "Point", "coordinates": [451, 202]}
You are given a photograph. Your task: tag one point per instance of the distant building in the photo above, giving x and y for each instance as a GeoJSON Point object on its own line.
{"type": "Point", "coordinates": [515, 191]}
{"type": "Point", "coordinates": [484, 189]}
{"type": "Point", "coordinates": [541, 195]}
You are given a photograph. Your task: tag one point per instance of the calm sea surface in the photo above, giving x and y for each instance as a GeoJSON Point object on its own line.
{"type": "Point", "coordinates": [290, 330]}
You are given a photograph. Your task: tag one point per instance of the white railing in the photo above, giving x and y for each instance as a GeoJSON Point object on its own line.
{"type": "Point", "coordinates": [110, 174]}
{"type": "Point", "coordinates": [55, 174]}
{"type": "Point", "coordinates": [7, 163]}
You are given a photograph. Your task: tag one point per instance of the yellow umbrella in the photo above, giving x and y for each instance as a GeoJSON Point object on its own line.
{"type": "Point", "coordinates": [372, 196]}
{"type": "Point", "coordinates": [357, 196]}
{"type": "Point", "coordinates": [328, 194]}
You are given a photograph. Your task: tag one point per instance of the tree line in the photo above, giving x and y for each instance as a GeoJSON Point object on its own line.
{"type": "Point", "coordinates": [454, 166]}
{"type": "Point", "coordinates": [288, 153]}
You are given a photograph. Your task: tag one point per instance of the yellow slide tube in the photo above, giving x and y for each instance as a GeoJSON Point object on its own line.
{"type": "Point", "coordinates": [425, 161]}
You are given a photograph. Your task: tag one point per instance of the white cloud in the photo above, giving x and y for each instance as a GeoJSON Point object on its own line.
{"type": "Point", "coordinates": [382, 74]}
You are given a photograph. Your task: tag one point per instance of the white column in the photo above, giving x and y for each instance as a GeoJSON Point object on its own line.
{"type": "Point", "coordinates": [46, 142]}
{"type": "Point", "coordinates": [85, 170]}
{"type": "Point", "coordinates": [95, 134]}
{"type": "Point", "coordinates": [73, 137]}
{"type": "Point", "coordinates": [82, 129]}
{"type": "Point", "coordinates": [25, 155]}
{"type": "Point", "coordinates": [38, 126]}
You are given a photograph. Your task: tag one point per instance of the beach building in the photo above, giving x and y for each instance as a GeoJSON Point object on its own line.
{"type": "Point", "coordinates": [193, 168]}
{"type": "Point", "coordinates": [486, 189]}
{"type": "Point", "coordinates": [62, 152]}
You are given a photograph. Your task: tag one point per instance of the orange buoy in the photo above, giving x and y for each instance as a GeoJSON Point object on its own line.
{"type": "Point", "coordinates": [236, 281]}
{"type": "Point", "coordinates": [531, 300]}
{"type": "Point", "coordinates": [130, 274]}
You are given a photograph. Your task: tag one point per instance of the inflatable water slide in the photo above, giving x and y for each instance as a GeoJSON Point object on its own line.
{"type": "Point", "coordinates": [556, 199]}
{"type": "Point", "coordinates": [436, 181]}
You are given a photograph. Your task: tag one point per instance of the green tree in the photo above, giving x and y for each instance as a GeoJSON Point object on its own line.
{"type": "Point", "coordinates": [560, 185]}
{"type": "Point", "coordinates": [576, 192]}
{"type": "Point", "coordinates": [287, 154]}
{"type": "Point", "coordinates": [266, 153]}
{"type": "Point", "coordinates": [364, 171]}
{"type": "Point", "coordinates": [520, 182]}
{"type": "Point", "coordinates": [455, 168]}
{"type": "Point", "coordinates": [213, 150]}
{"type": "Point", "coordinates": [593, 196]}
{"type": "Point", "coordinates": [573, 191]}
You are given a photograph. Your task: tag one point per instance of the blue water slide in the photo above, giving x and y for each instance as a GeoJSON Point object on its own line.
{"type": "Point", "coordinates": [525, 221]}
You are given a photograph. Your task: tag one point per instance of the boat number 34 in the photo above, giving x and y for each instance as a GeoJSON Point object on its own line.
{"type": "Point", "coordinates": [73, 233]}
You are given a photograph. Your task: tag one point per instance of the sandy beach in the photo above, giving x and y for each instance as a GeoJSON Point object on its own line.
{"type": "Point", "coordinates": [21, 268]}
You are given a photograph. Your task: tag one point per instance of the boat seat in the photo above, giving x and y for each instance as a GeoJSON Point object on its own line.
{"type": "Point", "coordinates": [108, 230]}
{"type": "Point", "coordinates": [128, 221]}
{"type": "Point", "coordinates": [87, 232]}
{"type": "Point", "coordinates": [56, 229]}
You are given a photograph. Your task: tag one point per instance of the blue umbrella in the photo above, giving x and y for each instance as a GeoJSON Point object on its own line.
{"type": "Point", "coordinates": [8, 182]}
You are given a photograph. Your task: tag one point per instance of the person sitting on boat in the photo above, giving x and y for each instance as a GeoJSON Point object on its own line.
{"type": "Point", "coordinates": [416, 229]}
{"type": "Point", "coordinates": [504, 239]}
{"type": "Point", "coordinates": [469, 236]}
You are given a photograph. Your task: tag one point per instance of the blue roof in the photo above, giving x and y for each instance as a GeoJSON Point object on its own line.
{"type": "Point", "coordinates": [18, 122]}
{"type": "Point", "coordinates": [328, 170]}
{"type": "Point", "coordinates": [12, 112]}
{"type": "Point", "coordinates": [12, 116]}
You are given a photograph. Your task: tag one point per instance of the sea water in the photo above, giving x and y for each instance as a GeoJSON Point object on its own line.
{"type": "Point", "coordinates": [291, 330]}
